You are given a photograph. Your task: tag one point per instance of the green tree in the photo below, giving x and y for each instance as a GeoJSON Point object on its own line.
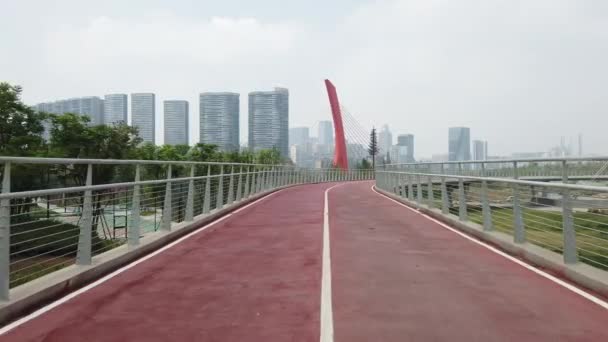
{"type": "Point", "coordinates": [21, 130]}
{"type": "Point", "coordinates": [372, 148]}
{"type": "Point", "coordinates": [272, 156]}
{"type": "Point", "coordinates": [364, 164]}
{"type": "Point", "coordinates": [21, 127]}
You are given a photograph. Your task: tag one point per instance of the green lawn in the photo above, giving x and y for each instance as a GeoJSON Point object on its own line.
{"type": "Point", "coordinates": [544, 228]}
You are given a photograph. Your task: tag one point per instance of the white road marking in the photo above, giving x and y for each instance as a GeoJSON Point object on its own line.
{"type": "Point", "coordinates": [62, 300]}
{"type": "Point", "coordinates": [546, 275]}
{"type": "Point", "coordinates": [327, 314]}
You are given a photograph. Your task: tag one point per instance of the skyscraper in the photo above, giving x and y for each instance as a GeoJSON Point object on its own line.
{"type": "Point", "coordinates": [115, 108]}
{"type": "Point", "coordinates": [459, 143]}
{"type": "Point", "coordinates": [480, 150]}
{"type": "Point", "coordinates": [269, 120]}
{"type": "Point", "coordinates": [406, 148]}
{"type": "Point", "coordinates": [219, 120]}
{"type": "Point", "coordinates": [326, 133]}
{"type": "Point", "coordinates": [385, 140]}
{"type": "Point", "coordinates": [143, 111]}
{"type": "Point", "coordinates": [91, 106]}
{"type": "Point", "coordinates": [298, 135]}
{"type": "Point", "coordinates": [176, 122]}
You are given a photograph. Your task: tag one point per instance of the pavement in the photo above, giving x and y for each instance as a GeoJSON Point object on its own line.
{"type": "Point", "coordinates": [256, 276]}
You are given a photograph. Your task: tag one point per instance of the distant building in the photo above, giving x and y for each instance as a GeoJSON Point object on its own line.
{"type": "Point", "coordinates": [459, 144]}
{"type": "Point", "coordinates": [480, 150]}
{"type": "Point", "coordinates": [91, 106]}
{"type": "Point", "coordinates": [269, 120]}
{"type": "Point", "coordinates": [385, 141]}
{"type": "Point", "coordinates": [406, 145]}
{"type": "Point", "coordinates": [143, 112]}
{"type": "Point", "coordinates": [176, 122]}
{"type": "Point", "coordinates": [299, 136]}
{"type": "Point", "coordinates": [219, 120]}
{"type": "Point", "coordinates": [115, 108]}
{"type": "Point", "coordinates": [326, 133]}
{"type": "Point", "coordinates": [528, 155]}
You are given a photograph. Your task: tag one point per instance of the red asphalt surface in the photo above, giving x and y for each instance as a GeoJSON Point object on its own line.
{"type": "Point", "coordinates": [256, 276]}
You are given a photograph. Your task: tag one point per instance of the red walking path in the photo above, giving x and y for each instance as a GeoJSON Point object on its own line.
{"type": "Point", "coordinates": [257, 275]}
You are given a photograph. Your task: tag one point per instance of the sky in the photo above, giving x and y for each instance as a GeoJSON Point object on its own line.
{"type": "Point", "coordinates": [519, 73]}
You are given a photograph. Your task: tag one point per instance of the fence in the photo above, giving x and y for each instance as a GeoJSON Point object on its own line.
{"type": "Point", "coordinates": [570, 219]}
{"type": "Point", "coordinates": [62, 212]}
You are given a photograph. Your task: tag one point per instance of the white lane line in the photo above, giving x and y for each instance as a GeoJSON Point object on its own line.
{"type": "Point", "coordinates": [62, 300]}
{"type": "Point", "coordinates": [327, 314]}
{"type": "Point", "coordinates": [525, 265]}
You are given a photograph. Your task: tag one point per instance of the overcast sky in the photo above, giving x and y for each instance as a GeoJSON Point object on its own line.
{"type": "Point", "coordinates": [519, 73]}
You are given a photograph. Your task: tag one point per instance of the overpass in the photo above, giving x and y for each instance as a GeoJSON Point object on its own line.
{"type": "Point", "coordinates": [165, 251]}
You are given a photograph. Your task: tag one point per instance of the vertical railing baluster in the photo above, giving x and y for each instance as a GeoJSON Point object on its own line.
{"type": "Point", "coordinates": [519, 232]}
{"type": "Point", "coordinates": [462, 201]}
{"type": "Point", "coordinates": [167, 209]}
{"type": "Point", "coordinates": [485, 201]}
{"type": "Point", "coordinates": [84, 253]}
{"type": "Point", "coordinates": [5, 234]}
{"type": "Point", "coordinates": [189, 215]}
{"type": "Point", "coordinates": [134, 228]}
{"type": "Point", "coordinates": [230, 198]}
{"type": "Point", "coordinates": [239, 186]}
{"type": "Point", "coordinates": [219, 201]}
{"type": "Point", "coordinates": [430, 194]}
{"type": "Point", "coordinates": [569, 234]}
{"type": "Point", "coordinates": [207, 198]}
{"type": "Point", "coordinates": [247, 183]}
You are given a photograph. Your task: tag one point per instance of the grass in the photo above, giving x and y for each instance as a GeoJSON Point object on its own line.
{"type": "Point", "coordinates": [40, 246]}
{"type": "Point", "coordinates": [544, 228]}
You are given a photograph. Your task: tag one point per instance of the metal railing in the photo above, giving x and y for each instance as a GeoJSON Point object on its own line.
{"type": "Point", "coordinates": [62, 212]}
{"type": "Point", "coordinates": [570, 219]}
{"type": "Point", "coordinates": [544, 169]}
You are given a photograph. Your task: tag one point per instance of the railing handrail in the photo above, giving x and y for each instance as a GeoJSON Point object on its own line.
{"type": "Point", "coordinates": [506, 180]}
{"type": "Point", "coordinates": [498, 161]}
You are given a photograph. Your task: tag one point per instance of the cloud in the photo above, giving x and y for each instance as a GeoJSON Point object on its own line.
{"type": "Point", "coordinates": [520, 73]}
{"type": "Point", "coordinates": [167, 39]}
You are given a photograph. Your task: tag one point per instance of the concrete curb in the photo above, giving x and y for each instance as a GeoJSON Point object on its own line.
{"type": "Point", "coordinates": [30, 296]}
{"type": "Point", "coordinates": [580, 274]}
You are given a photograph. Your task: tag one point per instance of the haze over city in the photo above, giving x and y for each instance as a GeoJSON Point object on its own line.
{"type": "Point", "coordinates": [512, 71]}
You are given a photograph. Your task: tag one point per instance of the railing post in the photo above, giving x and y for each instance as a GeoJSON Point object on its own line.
{"type": "Point", "coordinates": [189, 216]}
{"type": "Point", "coordinates": [462, 201]}
{"type": "Point", "coordinates": [519, 233]}
{"type": "Point", "coordinates": [84, 253]}
{"type": "Point", "coordinates": [419, 188]}
{"type": "Point", "coordinates": [133, 229]}
{"type": "Point", "coordinates": [485, 201]}
{"type": "Point", "coordinates": [219, 202]}
{"type": "Point", "coordinates": [258, 185]}
{"type": "Point", "coordinates": [5, 234]}
{"type": "Point", "coordinates": [445, 201]}
{"type": "Point", "coordinates": [207, 198]}
{"type": "Point", "coordinates": [410, 187]}
{"type": "Point", "coordinates": [570, 252]}
{"type": "Point", "coordinates": [247, 184]}
{"type": "Point", "coordinates": [230, 199]}
{"type": "Point", "coordinates": [430, 194]}
{"type": "Point", "coordinates": [239, 186]}
{"type": "Point", "coordinates": [564, 171]}
{"type": "Point", "coordinates": [167, 209]}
